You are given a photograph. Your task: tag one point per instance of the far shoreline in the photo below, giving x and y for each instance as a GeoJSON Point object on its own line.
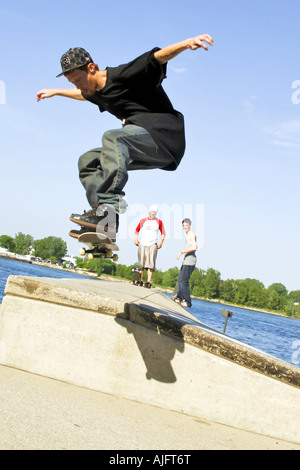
{"type": "Point", "coordinates": [220, 302]}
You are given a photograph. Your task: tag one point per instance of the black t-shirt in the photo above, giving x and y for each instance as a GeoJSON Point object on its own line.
{"type": "Point", "coordinates": [134, 92]}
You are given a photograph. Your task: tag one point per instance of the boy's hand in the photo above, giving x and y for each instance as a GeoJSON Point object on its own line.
{"type": "Point", "coordinates": [199, 41]}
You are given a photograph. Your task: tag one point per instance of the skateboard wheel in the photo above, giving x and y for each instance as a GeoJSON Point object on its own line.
{"type": "Point", "coordinates": [115, 258]}
{"type": "Point", "coordinates": [109, 254]}
{"type": "Point", "coordinates": [82, 251]}
{"type": "Point", "coordinates": [91, 256]}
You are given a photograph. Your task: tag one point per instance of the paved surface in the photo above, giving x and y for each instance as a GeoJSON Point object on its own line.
{"type": "Point", "coordinates": [38, 413]}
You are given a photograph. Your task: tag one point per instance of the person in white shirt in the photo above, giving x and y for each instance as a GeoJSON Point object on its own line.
{"type": "Point", "coordinates": [148, 229]}
{"type": "Point", "coordinates": [182, 290]}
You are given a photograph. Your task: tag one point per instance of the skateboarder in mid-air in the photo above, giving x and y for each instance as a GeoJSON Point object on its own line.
{"type": "Point", "coordinates": [152, 135]}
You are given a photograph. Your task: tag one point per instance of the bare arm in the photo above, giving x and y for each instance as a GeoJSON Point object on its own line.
{"type": "Point", "coordinates": [71, 93]}
{"type": "Point", "coordinates": [193, 241]}
{"type": "Point", "coordinates": [161, 242]}
{"type": "Point", "coordinates": [169, 52]}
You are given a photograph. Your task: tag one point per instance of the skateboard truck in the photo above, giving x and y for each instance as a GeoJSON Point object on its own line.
{"type": "Point", "coordinates": [99, 246]}
{"type": "Point", "coordinates": [97, 254]}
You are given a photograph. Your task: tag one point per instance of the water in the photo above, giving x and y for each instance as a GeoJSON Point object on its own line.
{"type": "Point", "coordinates": [18, 268]}
{"type": "Point", "coordinates": [275, 335]}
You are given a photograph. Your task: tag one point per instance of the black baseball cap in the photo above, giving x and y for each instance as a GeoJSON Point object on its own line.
{"type": "Point", "coordinates": [73, 59]}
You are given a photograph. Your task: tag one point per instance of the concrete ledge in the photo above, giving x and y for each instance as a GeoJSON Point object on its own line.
{"type": "Point", "coordinates": [153, 310]}
{"type": "Point", "coordinates": [136, 343]}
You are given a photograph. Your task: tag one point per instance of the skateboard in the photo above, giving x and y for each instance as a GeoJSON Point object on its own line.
{"type": "Point", "coordinates": [136, 274]}
{"type": "Point", "coordinates": [100, 246]}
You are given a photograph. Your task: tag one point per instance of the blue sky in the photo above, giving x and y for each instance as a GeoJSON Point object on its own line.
{"type": "Point", "coordinates": [240, 175]}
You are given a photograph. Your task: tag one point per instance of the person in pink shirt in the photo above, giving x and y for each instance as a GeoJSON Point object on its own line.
{"type": "Point", "coordinates": [148, 229]}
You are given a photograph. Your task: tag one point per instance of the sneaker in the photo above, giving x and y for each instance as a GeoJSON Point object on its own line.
{"type": "Point", "coordinates": [102, 218]}
{"type": "Point", "coordinates": [77, 233]}
{"type": "Point", "coordinates": [147, 285]}
{"type": "Point", "coordinates": [176, 299]}
{"type": "Point", "coordinates": [184, 304]}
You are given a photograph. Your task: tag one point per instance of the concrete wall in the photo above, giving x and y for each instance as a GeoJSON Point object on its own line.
{"type": "Point", "coordinates": [145, 349]}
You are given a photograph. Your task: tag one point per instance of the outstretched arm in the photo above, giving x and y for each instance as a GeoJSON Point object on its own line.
{"type": "Point", "coordinates": [71, 93]}
{"type": "Point", "coordinates": [169, 52]}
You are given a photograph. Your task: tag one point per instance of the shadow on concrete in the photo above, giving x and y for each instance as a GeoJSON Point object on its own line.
{"type": "Point", "coordinates": [156, 349]}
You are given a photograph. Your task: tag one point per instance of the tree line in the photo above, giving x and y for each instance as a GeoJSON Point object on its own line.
{"type": "Point", "coordinates": [46, 248]}
{"type": "Point", "coordinates": [205, 284]}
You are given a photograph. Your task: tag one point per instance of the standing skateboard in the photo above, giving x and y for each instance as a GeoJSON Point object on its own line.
{"type": "Point", "coordinates": [100, 246]}
{"type": "Point", "coordinates": [136, 276]}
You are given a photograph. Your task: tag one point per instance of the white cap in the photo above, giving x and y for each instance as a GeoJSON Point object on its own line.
{"type": "Point", "coordinates": [153, 208]}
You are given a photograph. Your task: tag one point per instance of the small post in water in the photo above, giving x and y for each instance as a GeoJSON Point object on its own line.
{"type": "Point", "coordinates": [227, 314]}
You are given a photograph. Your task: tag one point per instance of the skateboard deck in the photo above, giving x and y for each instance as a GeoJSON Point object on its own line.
{"type": "Point", "coordinates": [100, 246]}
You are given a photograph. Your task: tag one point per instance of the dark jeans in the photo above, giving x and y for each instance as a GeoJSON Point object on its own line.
{"type": "Point", "coordinates": [182, 289]}
{"type": "Point", "coordinates": [103, 171]}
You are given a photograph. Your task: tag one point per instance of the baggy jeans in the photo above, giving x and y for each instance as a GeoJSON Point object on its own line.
{"type": "Point", "coordinates": [104, 171]}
